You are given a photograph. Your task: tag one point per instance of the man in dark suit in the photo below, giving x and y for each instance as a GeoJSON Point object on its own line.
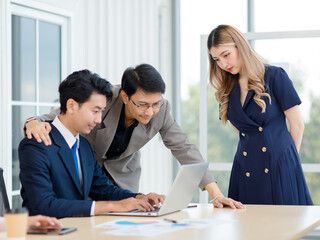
{"type": "Point", "coordinates": [58, 180]}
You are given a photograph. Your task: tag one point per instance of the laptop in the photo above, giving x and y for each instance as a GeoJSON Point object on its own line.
{"type": "Point", "coordinates": [4, 202]}
{"type": "Point", "coordinates": [180, 194]}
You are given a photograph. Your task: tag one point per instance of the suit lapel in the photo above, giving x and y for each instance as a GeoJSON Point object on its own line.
{"type": "Point", "coordinates": [86, 167]}
{"type": "Point", "coordinates": [235, 105]}
{"type": "Point", "coordinates": [248, 98]}
{"type": "Point", "coordinates": [103, 139]}
{"type": "Point", "coordinates": [65, 155]}
{"type": "Point", "coordinates": [140, 133]}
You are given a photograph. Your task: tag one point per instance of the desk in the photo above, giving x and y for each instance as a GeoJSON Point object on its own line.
{"type": "Point", "coordinates": [255, 222]}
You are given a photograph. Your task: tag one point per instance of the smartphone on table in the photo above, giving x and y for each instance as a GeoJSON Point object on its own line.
{"type": "Point", "coordinates": [50, 230]}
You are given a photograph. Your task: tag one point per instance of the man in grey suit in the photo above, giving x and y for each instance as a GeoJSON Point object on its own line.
{"type": "Point", "coordinates": [136, 113]}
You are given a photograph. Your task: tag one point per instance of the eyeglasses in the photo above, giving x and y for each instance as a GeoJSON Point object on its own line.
{"type": "Point", "coordinates": [146, 106]}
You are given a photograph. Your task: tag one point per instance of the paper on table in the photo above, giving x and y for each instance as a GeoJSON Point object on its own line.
{"type": "Point", "coordinates": [127, 222]}
{"type": "Point", "coordinates": [140, 227]}
{"type": "Point", "coordinates": [153, 227]}
{"type": "Point", "coordinates": [203, 222]}
{"type": "Point", "coordinates": [145, 231]}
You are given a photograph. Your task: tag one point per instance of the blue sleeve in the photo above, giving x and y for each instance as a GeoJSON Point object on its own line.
{"type": "Point", "coordinates": [37, 188]}
{"type": "Point", "coordinates": [283, 89]}
{"type": "Point", "coordinates": [102, 188]}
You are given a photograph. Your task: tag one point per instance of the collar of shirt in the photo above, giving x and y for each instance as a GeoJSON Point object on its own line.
{"type": "Point", "coordinates": [65, 132]}
{"type": "Point", "coordinates": [121, 124]}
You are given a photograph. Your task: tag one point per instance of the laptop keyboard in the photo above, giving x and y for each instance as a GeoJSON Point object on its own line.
{"type": "Point", "coordinates": [156, 209]}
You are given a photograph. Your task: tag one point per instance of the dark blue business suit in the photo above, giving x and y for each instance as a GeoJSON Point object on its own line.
{"type": "Point", "coordinates": [50, 185]}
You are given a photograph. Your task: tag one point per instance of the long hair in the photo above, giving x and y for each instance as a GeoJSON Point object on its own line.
{"type": "Point", "coordinates": [252, 64]}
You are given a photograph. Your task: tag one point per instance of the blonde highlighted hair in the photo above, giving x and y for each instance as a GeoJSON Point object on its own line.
{"type": "Point", "coordinates": [252, 64]}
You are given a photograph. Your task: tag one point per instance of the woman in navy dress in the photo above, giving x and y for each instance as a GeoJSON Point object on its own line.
{"type": "Point", "coordinates": [257, 99]}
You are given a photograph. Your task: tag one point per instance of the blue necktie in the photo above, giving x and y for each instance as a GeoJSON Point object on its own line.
{"type": "Point", "coordinates": [74, 153]}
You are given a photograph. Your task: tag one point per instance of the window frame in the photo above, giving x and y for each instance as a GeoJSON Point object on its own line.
{"type": "Point", "coordinates": [39, 12]}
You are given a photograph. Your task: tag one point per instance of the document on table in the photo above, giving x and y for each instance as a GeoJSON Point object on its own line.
{"type": "Point", "coordinates": [140, 227]}
{"type": "Point", "coordinates": [153, 227]}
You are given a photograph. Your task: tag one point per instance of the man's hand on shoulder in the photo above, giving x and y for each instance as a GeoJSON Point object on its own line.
{"type": "Point", "coordinates": [39, 130]}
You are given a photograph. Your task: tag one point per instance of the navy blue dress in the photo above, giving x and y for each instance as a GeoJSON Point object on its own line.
{"type": "Point", "coordinates": [266, 167]}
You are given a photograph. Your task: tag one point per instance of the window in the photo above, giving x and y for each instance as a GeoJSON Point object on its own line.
{"type": "Point", "coordinates": [199, 18]}
{"type": "Point", "coordinates": [39, 60]}
{"type": "Point", "coordinates": [286, 15]}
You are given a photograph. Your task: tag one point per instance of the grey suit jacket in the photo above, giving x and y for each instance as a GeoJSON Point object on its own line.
{"type": "Point", "coordinates": [126, 169]}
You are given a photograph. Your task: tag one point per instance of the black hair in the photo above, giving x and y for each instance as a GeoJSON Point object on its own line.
{"type": "Point", "coordinates": [144, 77]}
{"type": "Point", "coordinates": [80, 85]}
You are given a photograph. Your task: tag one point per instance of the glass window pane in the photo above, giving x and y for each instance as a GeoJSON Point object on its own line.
{"type": "Point", "coordinates": [196, 196]}
{"type": "Point", "coordinates": [16, 201]}
{"type": "Point", "coordinates": [313, 182]}
{"type": "Point", "coordinates": [222, 140]}
{"type": "Point", "coordinates": [19, 116]}
{"type": "Point", "coordinates": [223, 178]}
{"type": "Point", "coordinates": [286, 15]}
{"type": "Point", "coordinates": [46, 110]}
{"type": "Point", "coordinates": [23, 58]}
{"type": "Point", "coordinates": [49, 61]}
{"type": "Point", "coordinates": [301, 64]}
{"type": "Point", "coordinates": [199, 18]}
{"type": "Point", "coordinates": [190, 113]}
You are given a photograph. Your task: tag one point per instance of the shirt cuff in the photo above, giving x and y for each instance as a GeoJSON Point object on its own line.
{"type": "Point", "coordinates": [93, 207]}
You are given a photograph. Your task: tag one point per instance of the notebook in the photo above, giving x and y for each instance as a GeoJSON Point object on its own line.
{"type": "Point", "coordinates": [180, 194]}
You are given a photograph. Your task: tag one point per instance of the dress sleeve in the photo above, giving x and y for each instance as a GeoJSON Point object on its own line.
{"type": "Point", "coordinates": [283, 90]}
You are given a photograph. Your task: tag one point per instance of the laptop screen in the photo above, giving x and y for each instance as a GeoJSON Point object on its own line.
{"type": "Point", "coordinates": [4, 202]}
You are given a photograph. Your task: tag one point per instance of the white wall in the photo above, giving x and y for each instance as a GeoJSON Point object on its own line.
{"type": "Point", "coordinates": [107, 37]}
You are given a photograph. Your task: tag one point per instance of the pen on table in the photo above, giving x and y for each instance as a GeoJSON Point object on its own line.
{"type": "Point", "coordinates": [192, 206]}
{"type": "Point", "coordinates": [170, 220]}
{"type": "Point", "coordinates": [176, 223]}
